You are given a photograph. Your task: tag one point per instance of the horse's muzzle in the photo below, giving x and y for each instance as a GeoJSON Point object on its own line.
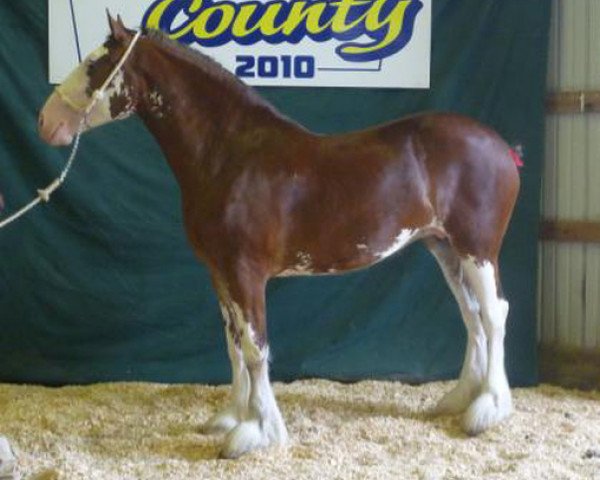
{"type": "Point", "coordinates": [57, 123]}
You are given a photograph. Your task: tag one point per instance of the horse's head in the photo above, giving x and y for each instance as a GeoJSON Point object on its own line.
{"type": "Point", "coordinates": [63, 112]}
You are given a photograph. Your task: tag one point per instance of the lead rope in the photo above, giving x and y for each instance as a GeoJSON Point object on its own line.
{"type": "Point", "coordinates": [43, 194]}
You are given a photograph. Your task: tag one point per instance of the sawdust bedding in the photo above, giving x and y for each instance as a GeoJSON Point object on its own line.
{"type": "Point", "coordinates": [367, 430]}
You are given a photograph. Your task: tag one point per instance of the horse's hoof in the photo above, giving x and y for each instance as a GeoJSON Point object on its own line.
{"type": "Point", "coordinates": [244, 438]}
{"type": "Point", "coordinates": [455, 401]}
{"type": "Point", "coordinates": [252, 435]}
{"type": "Point", "coordinates": [221, 422]}
{"type": "Point", "coordinates": [8, 461]}
{"type": "Point", "coordinates": [486, 411]}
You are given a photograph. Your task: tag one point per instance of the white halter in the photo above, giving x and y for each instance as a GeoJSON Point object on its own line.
{"type": "Point", "coordinates": [44, 193]}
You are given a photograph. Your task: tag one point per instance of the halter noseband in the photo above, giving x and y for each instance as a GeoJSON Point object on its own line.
{"type": "Point", "coordinates": [99, 93]}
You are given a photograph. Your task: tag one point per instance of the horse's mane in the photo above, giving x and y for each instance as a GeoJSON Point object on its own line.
{"type": "Point", "coordinates": [208, 65]}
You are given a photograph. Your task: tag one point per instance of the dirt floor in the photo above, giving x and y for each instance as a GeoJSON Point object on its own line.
{"type": "Point", "coordinates": [368, 430]}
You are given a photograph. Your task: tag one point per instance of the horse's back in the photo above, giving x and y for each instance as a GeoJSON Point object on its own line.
{"type": "Point", "coordinates": [346, 200]}
{"type": "Point", "coordinates": [437, 138]}
{"type": "Point", "coordinates": [450, 165]}
{"type": "Point", "coordinates": [444, 131]}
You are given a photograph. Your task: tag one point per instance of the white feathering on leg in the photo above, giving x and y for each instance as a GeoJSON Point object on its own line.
{"type": "Point", "coordinates": [475, 363]}
{"type": "Point", "coordinates": [228, 418]}
{"type": "Point", "coordinates": [494, 403]}
{"type": "Point", "coordinates": [262, 424]}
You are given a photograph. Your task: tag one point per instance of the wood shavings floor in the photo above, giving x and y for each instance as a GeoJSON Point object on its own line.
{"type": "Point", "coordinates": [368, 430]}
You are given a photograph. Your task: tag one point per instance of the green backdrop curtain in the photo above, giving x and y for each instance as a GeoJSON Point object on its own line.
{"type": "Point", "coordinates": [101, 285]}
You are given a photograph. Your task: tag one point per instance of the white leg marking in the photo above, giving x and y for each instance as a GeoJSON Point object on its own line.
{"type": "Point", "coordinates": [227, 419]}
{"type": "Point", "coordinates": [475, 363]}
{"type": "Point", "coordinates": [262, 423]}
{"type": "Point", "coordinates": [494, 402]}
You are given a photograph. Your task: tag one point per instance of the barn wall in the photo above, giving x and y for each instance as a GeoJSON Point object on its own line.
{"type": "Point", "coordinates": [569, 310]}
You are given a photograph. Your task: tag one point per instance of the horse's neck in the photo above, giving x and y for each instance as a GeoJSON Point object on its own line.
{"type": "Point", "coordinates": [178, 116]}
{"type": "Point", "coordinates": [192, 114]}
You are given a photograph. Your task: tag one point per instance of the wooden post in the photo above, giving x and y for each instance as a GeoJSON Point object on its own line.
{"type": "Point", "coordinates": [573, 102]}
{"type": "Point", "coordinates": [570, 231]}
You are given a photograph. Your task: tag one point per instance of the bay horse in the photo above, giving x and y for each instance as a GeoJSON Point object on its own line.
{"type": "Point", "coordinates": [263, 197]}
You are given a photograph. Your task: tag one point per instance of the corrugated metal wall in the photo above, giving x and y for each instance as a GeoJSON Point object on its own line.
{"type": "Point", "coordinates": [569, 313]}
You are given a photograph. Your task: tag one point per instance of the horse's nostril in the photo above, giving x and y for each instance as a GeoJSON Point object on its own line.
{"type": "Point", "coordinates": [41, 121]}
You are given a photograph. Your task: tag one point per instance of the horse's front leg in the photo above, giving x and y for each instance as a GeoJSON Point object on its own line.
{"type": "Point", "coordinates": [228, 418]}
{"type": "Point", "coordinates": [261, 423]}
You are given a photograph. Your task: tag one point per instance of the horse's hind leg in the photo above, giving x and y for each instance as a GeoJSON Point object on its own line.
{"type": "Point", "coordinates": [475, 362]}
{"type": "Point", "coordinates": [494, 402]}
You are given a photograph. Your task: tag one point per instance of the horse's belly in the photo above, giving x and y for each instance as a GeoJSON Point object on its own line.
{"type": "Point", "coordinates": [322, 261]}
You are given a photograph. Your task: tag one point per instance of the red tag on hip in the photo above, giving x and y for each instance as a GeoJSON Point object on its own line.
{"type": "Point", "coordinates": [516, 158]}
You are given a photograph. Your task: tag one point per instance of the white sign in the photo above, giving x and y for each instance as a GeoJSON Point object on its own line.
{"type": "Point", "coordinates": [309, 43]}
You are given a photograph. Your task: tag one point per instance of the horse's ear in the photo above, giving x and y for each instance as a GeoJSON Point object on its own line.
{"type": "Point", "coordinates": [117, 28]}
{"type": "Point", "coordinates": [120, 22]}
{"type": "Point", "coordinates": [111, 22]}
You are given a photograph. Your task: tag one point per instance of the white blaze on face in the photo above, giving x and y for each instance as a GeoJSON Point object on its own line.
{"type": "Point", "coordinates": [75, 86]}
{"type": "Point", "coordinates": [75, 91]}
{"type": "Point", "coordinates": [64, 110]}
